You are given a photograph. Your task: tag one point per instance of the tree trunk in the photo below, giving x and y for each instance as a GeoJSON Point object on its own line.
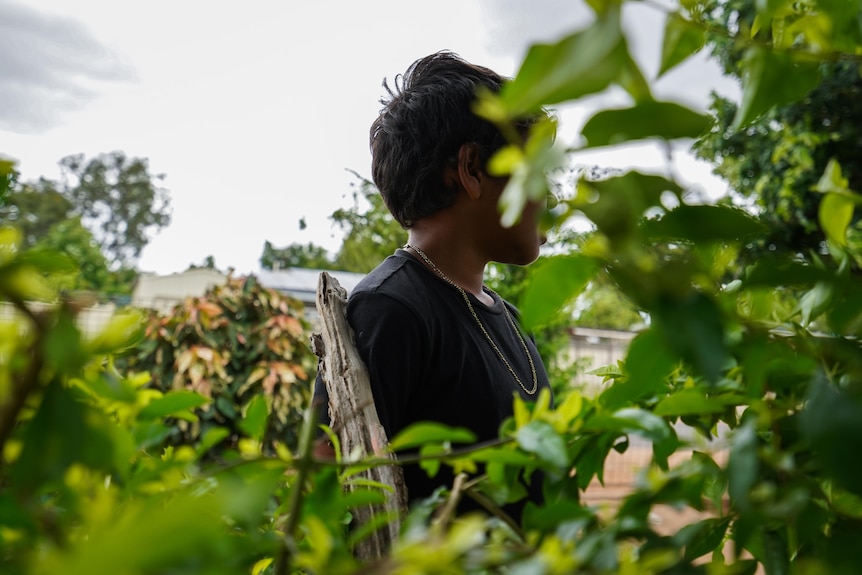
{"type": "Point", "coordinates": [353, 416]}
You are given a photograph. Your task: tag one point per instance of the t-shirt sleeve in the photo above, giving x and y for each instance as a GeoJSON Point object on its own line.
{"type": "Point", "coordinates": [394, 344]}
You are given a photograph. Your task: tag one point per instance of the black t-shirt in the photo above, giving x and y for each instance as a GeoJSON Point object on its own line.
{"type": "Point", "coordinates": [428, 359]}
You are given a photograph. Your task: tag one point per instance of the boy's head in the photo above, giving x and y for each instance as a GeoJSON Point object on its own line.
{"type": "Point", "coordinates": [421, 127]}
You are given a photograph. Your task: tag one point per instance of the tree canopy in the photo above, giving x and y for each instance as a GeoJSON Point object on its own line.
{"type": "Point", "coordinates": [36, 207]}
{"type": "Point", "coordinates": [101, 215]}
{"type": "Point", "coordinates": [119, 200]}
{"type": "Point", "coordinates": [370, 234]}
{"type": "Point", "coordinates": [8, 177]}
{"type": "Point", "coordinates": [778, 157]}
{"type": "Point", "coordinates": [89, 268]}
{"type": "Point", "coordinates": [294, 256]}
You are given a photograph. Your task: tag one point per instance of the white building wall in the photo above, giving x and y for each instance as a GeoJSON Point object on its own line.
{"type": "Point", "coordinates": [162, 293]}
{"type": "Point", "coordinates": [594, 348]}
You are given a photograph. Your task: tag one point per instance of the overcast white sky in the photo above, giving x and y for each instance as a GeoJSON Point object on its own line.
{"type": "Point", "coordinates": [255, 111]}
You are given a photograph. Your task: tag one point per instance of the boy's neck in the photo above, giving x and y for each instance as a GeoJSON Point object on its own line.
{"type": "Point", "coordinates": [457, 261]}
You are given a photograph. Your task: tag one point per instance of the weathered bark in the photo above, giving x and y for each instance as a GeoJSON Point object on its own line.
{"type": "Point", "coordinates": [353, 416]}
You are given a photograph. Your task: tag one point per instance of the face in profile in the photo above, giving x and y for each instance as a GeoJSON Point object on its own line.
{"type": "Point", "coordinates": [520, 243]}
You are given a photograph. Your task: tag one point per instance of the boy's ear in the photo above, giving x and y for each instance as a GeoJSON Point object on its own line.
{"type": "Point", "coordinates": [470, 170]}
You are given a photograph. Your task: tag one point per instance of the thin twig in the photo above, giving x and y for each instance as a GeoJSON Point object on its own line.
{"type": "Point", "coordinates": [304, 464]}
{"type": "Point", "coordinates": [448, 511]}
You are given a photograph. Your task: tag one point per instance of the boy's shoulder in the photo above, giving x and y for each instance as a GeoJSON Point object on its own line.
{"type": "Point", "coordinates": [398, 274]}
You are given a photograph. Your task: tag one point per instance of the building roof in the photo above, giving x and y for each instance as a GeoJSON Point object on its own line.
{"type": "Point", "coordinates": [301, 283]}
{"type": "Point", "coordinates": [208, 273]}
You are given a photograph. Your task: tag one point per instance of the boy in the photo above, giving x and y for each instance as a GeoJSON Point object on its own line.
{"type": "Point", "coordinates": [438, 344]}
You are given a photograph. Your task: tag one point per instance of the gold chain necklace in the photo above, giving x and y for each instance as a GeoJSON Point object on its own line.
{"type": "Point", "coordinates": [482, 326]}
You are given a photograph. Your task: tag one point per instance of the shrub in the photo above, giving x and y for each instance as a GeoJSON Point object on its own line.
{"type": "Point", "coordinates": [241, 346]}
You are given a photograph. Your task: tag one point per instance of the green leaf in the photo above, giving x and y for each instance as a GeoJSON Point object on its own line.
{"type": "Point", "coordinates": [768, 8]}
{"type": "Point", "coordinates": [429, 432]}
{"type": "Point", "coordinates": [830, 420]}
{"type": "Point", "coordinates": [7, 167]}
{"type": "Point", "coordinates": [641, 421]}
{"type": "Point", "coordinates": [648, 363]}
{"type": "Point", "coordinates": [10, 242]}
{"type": "Point", "coordinates": [632, 420]}
{"type": "Point", "coordinates": [254, 422]}
{"type": "Point", "coordinates": [149, 434]}
{"type": "Point", "coordinates": [815, 301]}
{"type": "Point", "coordinates": [63, 432]}
{"type": "Point", "coordinates": [772, 79]}
{"type": "Point", "coordinates": [173, 403]}
{"type": "Point", "coordinates": [539, 437]}
{"type": "Point", "coordinates": [703, 537]}
{"type": "Point", "coordinates": [359, 496]}
{"type": "Point", "coordinates": [776, 559]}
{"type": "Point", "coordinates": [633, 81]}
{"type": "Point", "coordinates": [647, 119]}
{"type": "Point", "coordinates": [502, 456]}
{"type": "Point", "coordinates": [148, 536]}
{"type": "Point", "coordinates": [622, 201]}
{"type": "Point", "coordinates": [554, 282]}
{"type": "Point", "coordinates": [430, 462]}
{"type": "Point", "coordinates": [781, 271]}
{"type": "Point", "coordinates": [607, 371]}
{"type": "Point", "coordinates": [583, 63]}
{"type": "Point", "coordinates": [687, 402]}
{"type": "Point", "coordinates": [835, 215]}
{"type": "Point", "coordinates": [505, 160]}
{"type": "Point", "coordinates": [846, 313]}
{"type": "Point", "coordinates": [714, 478]}
{"type": "Point", "coordinates": [682, 38]}
{"type": "Point", "coordinates": [565, 511]}
{"type": "Point", "coordinates": [24, 282]}
{"type": "Point", "coordinates": [847, 504]}
{"type": "Point", "coordinates": [359, 481]}
{"type": "Point", "coordinates": [703, 223]}
{"type": "Point", "coordinates": [260, 567]}
{"type": "Point", "coordinates": [226, 406]}
{"type": "Point", "coordinates": [63, 349]}
{"type": "Point", "coordinates": [836, 208]}
{"type": "Point", "coordinates": [210, 438]}
{"type": "Point", "coordinates": [123, 330]}
{"type": "Point", "coordinates": [245, 498]}
{"type": "Point", "coordinates": [113, 387]}
{"type": "Point", "coordinates": [529, 178]}
{"type": "Point", "coordinates": [693, 328]}
{"type": "Point", "coordinates": [48, 261]}
{"type": "Point", "coordinates": [742, 464]}
{"type": "Point", "coordinates": [13, 516]}
{"type": "Point", "coordinates": [832, 181]}
{"type": "Point", "coordinates": [590, 458]}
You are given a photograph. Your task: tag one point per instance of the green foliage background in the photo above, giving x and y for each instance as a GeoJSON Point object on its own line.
{"type": "Point", "coordinates": [753, 352]}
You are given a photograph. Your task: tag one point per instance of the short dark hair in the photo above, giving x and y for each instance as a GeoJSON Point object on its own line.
{"type": "Point", "coordinates": [423, 124]}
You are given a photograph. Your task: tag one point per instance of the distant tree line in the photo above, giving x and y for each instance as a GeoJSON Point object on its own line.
{"type": "Point", "coordinates": [101, 214]}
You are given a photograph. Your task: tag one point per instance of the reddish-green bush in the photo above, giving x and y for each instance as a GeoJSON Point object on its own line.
{"type": "Point", "coordinates": [242, 346]}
